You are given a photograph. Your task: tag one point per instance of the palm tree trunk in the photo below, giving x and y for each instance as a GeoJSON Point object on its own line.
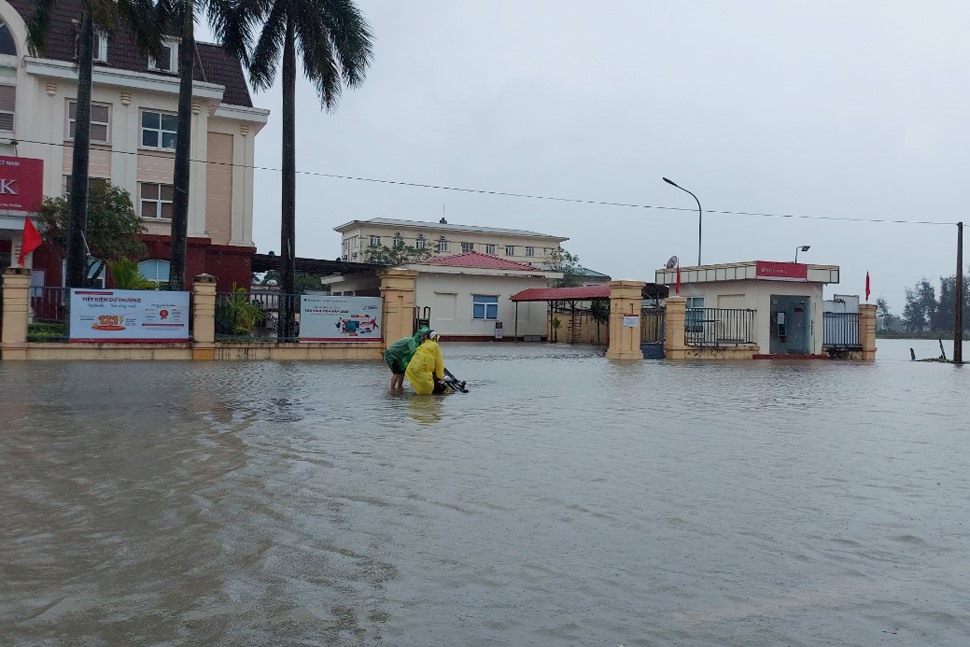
{"type": "Point", "coordinates": [78, 221]}
{"type": "Point", "coordinates": [183, 146]}
{"type": "Point", "coordinates": [288, 206]}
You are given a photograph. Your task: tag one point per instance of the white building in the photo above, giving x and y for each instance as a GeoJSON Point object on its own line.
{"type": "Point", "coordinates": [777, 306]}
{"type": "Point", "coordinates": [133, 132]}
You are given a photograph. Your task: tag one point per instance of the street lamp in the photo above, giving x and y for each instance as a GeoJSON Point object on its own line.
{"type": "Point", "coordinates": [700, 216]}
{"type": "Point", "coordinates": [803, 248]}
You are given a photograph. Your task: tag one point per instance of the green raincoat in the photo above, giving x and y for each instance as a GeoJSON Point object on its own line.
{"type": "Point", "coordinates": [398, 355]}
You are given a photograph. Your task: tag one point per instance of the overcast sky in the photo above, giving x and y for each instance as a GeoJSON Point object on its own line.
{"type": "Point", "coordinates": [833, 110]}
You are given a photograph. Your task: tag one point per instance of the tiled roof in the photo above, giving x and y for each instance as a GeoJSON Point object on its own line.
{"type": "Point", "coordinates": [444, 226]}
{"type": "Point", "coordinates": [212, 64]}
{"type": "Point", "coordinates": [583, 293]}
{"type": "Point", "coordinates": [481, 261]}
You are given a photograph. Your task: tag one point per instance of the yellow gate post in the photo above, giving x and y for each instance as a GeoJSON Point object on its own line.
{"type": "Point", "coordinates": [674, 322]}
{"type": "Point", "coordinates": [626, 303]}
{"type": "Point", "coordinates": [16, 308]}
{"type": "Point", "coordinates": [204, 317]}
{"type": "Point", "coordinates": [397, 292]}
{"type": "Point", "coordinates": [867, 330]}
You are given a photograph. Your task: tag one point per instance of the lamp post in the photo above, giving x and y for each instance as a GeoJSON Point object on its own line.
{"type": "Point", "coordinates": [700, 215]}
{"type": "Point", "coordinates": [803, 248]}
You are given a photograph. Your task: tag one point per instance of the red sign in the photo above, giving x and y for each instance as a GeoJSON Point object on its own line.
{"type": "Point", "coordinates": [21, 183]}
{"type": "Point", "coordinates": [781, 271]}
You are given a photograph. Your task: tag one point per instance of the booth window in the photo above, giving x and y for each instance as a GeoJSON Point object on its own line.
{"type": "Point", "coordinates": [484, 306]}
{"type": "Point", "coordinates": [694, 316]}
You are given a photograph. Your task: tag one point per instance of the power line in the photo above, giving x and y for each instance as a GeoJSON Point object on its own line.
{"type": "Point", "coordinates": [526, 196]}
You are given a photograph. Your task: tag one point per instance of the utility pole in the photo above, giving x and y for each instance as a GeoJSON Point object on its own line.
{"type": "Point", "coordinates": [958, 301]}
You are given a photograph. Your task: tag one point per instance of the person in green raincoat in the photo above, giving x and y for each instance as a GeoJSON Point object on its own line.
{"type": "Point", "coordinates": [427, 367]}
{"type": "Point", "coordinates": [399, 354]}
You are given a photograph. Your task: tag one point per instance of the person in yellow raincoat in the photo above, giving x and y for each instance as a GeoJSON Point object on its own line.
{"type": "Point", "coordinates": [427, 368]}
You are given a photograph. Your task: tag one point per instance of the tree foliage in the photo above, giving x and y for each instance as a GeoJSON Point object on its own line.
{"type": "Point", "coordinates": [925, 312]}
{"type": "Point", "coordinates": [560, 260]}
{"type": "Point", "coordinates": [112, 227]}
{"type": "Point", "coordinates": [397, 255]}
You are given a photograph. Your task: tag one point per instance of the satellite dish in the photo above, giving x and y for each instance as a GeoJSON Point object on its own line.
{"type": "Point", "coordinates": [672, 263]}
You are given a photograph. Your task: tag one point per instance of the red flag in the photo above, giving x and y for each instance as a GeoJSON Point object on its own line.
{"type": "Point", "coordinates": [677, 292]}
{"type": "Point", "coordinates": [867, 286]}
{"type": "Point", "coordinates": [31, 241]}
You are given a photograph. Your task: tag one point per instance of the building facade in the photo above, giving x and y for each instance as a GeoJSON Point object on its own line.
{"type": "Point", "coordinates": [444, 239]}
{"type": "Point", "coordinates": [134, 126]}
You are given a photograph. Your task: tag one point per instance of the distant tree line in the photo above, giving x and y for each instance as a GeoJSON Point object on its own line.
{"type": "Point", "coordinates": [926, 311]}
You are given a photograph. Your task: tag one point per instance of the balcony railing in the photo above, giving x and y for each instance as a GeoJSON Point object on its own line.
{"type": "Point", "coordinates": [718, 327]}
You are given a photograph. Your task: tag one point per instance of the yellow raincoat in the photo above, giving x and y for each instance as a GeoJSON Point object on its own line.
{"type": "Point", "coordinates": [428, 363]}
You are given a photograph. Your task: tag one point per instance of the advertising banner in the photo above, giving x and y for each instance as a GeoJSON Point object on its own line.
{"type": "Point", "coordinates": [21, 183]}
{"type": "Point", "coordinates": [340, 319]}
{"type": "Point", "coordinates": [129, 315]}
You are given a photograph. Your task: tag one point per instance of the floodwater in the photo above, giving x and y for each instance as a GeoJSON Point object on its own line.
{"type": "Point", "coordinates": [566, 500]}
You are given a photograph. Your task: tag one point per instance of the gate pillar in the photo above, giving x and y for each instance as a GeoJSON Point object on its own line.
{"type": "Point", "coordinates": [397, 293]}
{"type": "Point", "coordinates": [674, 345]}
{"type": "Point", "coordinates": [867, 330]}
{"type": "Point", "coordinates": [626, 301]}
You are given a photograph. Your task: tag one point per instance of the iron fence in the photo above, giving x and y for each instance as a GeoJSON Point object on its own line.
{"type": "Point", "coordinates": [717, 327]}
{"type": "Point", "coordinates": [840, 330]}
{"type": "Point", "coordinates": [258, 315]}
{"type": "Point", "coordinates": [49, 313]}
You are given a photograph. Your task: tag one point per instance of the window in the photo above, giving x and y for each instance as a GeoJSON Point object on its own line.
{"type": "Point", "coordinates": [169, 61]}
{"type": "Point", "coordinates": [100, 121]}
{"type": "Point", "coordinates": [100, 47]}
{"type": "Point", "coordinates": [490, 248]}
{"type": "Point", "coordinates": [7, 46]}
{"type": "Point", "coordinates": [158, 130]}
{"type": "Point", "coordinates": [467, 247]}
{"type": "Point", "coordinates": [694, 315]}
{"type": "Point", "coordinates": [398, 241]}
{"type": "Point", "coordinates": [92, 182]}
{"type": "Point", "coordinates": [442, 245]}
{"type": "Point", "coordinates": [375, 241]}
{"type": "Point", "coordinates": [420, 242]}
{"type": "Point", "coordinates": [530, 251]}
{"type": "Point", "coordinates": [156, 200]}
{"type": "Point", "coordinates": [155, 270]}
{"type": "Point", "coordinates": [510, 250]}
{"type": "Point", "coordinates": [8, 100]}
{"type": "Point", "coordinates": [484, 307]}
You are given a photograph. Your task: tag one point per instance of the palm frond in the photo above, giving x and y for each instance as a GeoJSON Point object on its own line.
{"type": "Point", "coordinates": [38, 26]}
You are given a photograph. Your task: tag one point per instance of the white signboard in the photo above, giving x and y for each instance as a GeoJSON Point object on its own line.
{"type": "Point", "coordinates": [631, 321]}
{"type": "Point", "coordinates": [340, 319]}
{"type": "Point", "coordinates": [129, 315]}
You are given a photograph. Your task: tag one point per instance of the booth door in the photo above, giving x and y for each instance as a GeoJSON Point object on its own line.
{"type": "Point", "coordinates": [790, 325]}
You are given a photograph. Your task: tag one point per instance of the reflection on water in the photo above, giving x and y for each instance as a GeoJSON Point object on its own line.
{"type": "Point", "coordinates": [566, 500]}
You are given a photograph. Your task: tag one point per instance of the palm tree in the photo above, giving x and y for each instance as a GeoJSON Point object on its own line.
{"type": "Point", "coordinates": [335, 41]}
{"type": "Point", "coordinates": [108, 16]}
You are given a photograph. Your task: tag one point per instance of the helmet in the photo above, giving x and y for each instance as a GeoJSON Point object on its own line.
{"type": "Point", "coordinates": [434, 334]}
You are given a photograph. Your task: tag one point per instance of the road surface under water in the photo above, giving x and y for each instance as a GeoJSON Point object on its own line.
{"type": "Point", "coordinates": [566, 500]}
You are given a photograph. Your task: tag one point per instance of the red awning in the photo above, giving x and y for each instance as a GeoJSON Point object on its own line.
{"type": "Point", "coordinates": [584, 293]}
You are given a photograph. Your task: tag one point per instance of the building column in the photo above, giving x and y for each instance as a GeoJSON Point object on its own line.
{"type": "Point", "coordinates": [204, 317]}
{"type": "Point", "coordinates": [397, 292]}
{"type": "Point", "coordinates": [867, 330]}
{"type": "Point", "coordinates": [674, 321]}
{"type": "Point", "coordinates": [626, 300]}
{"type": "Point", "coordinates": [16, 308]}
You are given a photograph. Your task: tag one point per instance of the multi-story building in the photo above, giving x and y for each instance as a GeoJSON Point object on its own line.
{"type": "Point", "coordinates": [133, 131]}
{"type": "Point", "coordinates": [444, 239]}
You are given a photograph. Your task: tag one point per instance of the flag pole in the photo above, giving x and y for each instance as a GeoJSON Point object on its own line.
{"type": "Point", "coordinates": [958, 301]}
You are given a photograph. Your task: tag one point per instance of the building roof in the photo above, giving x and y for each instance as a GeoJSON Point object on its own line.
{"type": "Point", "coordinates": [445, 226]}
{"type": "Point", "coordinates": [267, 262]}
{"type": "Point", "coordinates": [751, 270]}
{"type": "Point", "coordinates": [584, 293]}
{"type": "Point", "coordinates": [212, 64]}
{"type": "Point", "coordinates": [480, 261]}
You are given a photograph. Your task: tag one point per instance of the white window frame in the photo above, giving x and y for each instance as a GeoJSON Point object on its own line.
{"type": "Point", "coordinates": [159, 202]}
{"type": "Point", "coordinates": [488, 304]}
{"type": "Point", "coordinates": [375, 241]}
{"type": "Point", "coordinates": [490, 248]}
{"type": "Point", "coordinates": [467, 247]}
{"type": "Point", "coordinates": [510, 250]}
{"type": "Point", "coordinates": [172, 45]}
{"type": "Point", "coordinates": [530, 251]}
{"type": "Point", "coordinates": [398, 241]}
{"type": "Point", "coordinates": [100, 47]}
{"type": "Point", "coordinates": [155, 263]}
{"type": "Point", "coordinates": [160, 131]}
{"type": "Point", "coordinates": [13, 112]}
{"type": "Point", "coordinates": [420, 242]}
{"type": "Point", "coordinates": [441, 245]}
{"type": "Point", "coordinates": [106, 124]}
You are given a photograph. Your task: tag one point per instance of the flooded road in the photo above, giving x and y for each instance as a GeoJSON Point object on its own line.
{"type": "Point", "coordinates": [566, 500]}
